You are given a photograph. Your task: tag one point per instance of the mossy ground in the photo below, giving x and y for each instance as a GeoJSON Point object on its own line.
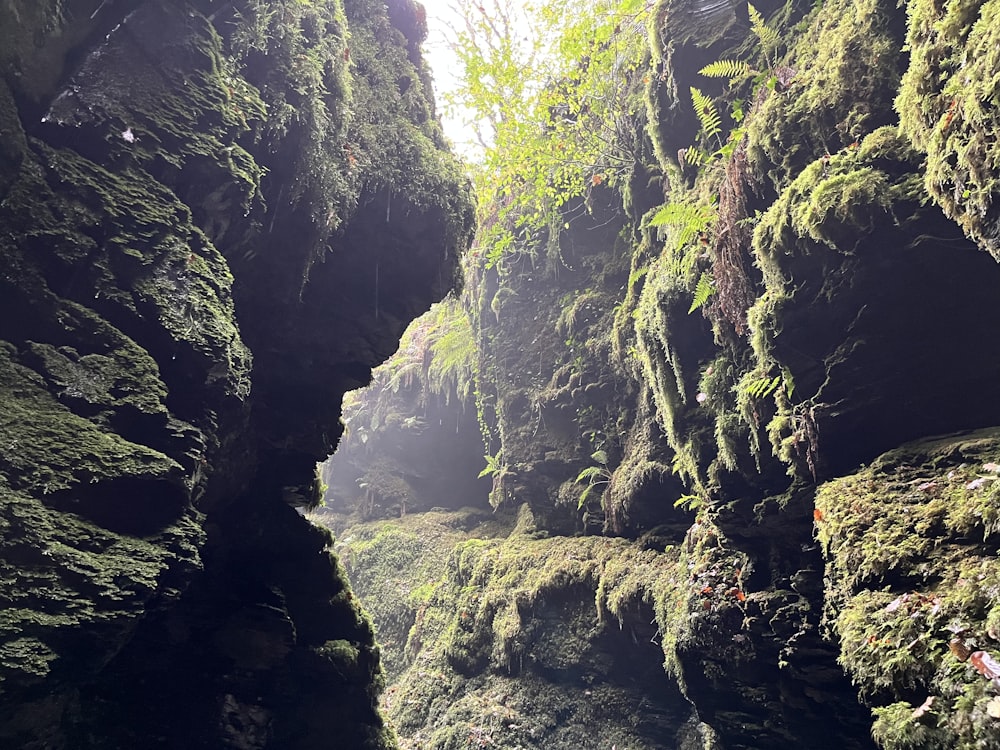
{"type": "Point", "coordinates": [503, 636]}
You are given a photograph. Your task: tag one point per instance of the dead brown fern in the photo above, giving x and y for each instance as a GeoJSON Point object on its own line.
{"type": "Point", "coordinates": [731, 258]}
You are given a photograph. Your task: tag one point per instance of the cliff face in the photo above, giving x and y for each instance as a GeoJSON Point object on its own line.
{"type": "Point", "coordinates": [741, 408]}
{"type": "Point", "coordinates": [216, 218]}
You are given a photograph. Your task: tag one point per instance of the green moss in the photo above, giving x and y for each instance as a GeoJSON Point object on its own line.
{"type": "Point", "coordinates": [506, 615]}
{"type": "Point", "coordinates": [911, 572]}
{"type": "Point", "coordinates": [661, 321]}
{"type": "Point", "coordinates": [845, 66]}
{"type": "Point", "coordinates": [55, 449]}
{"type": "Point", "coordinates": [945, 107]}
{"type": "Point", "coordinates": [152, 255]}
{"type": "Point", "coordinates": [296, 56]}
{"type": "Point", "coordinates": [836, 200]}
{"type": "Point", "coordinates": [810, 247]}
{"type": "Point", "coordinates": [399, 144]}
{"type": "Point", "coordinates": [896, 726]}
{"type": "Point", "coordinates": [74, 588]}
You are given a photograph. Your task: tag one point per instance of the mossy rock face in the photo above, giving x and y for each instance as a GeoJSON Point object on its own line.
{"type": "Point", "coordinates": [685, 36]}
{"type": "Point", "coordinates": [497, 640]}
{"type": "Point", "coordinates": [171, 176]}
{"type": "Point", "coordinates": [850, 258]}
{"type": "Point", "coordinates": [912, 587]}
{"type": "Point", "coordinates": [553, 403]}
{"type": "Point", "coordinates": [841, 73]}
{"type": "Point", "coordinates": [946, 108]}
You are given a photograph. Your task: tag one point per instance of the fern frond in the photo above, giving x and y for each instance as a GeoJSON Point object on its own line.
{"type": "Point", "coordinates": [404, 377]}
{"type": "Point", "coordinates": [731, 69]}
{"type": "Point", "coordinates": [762, 387]}
{"type": "Point", "coordinates": [637, 274]}
{"type": "Point", "coordinates": [693, 157]}
{"type": "Point", "coordinates": [688, 502]}
{"type": "Point", "coordinates": [708, 115]}
{"type": "Point", "coordinates": [769, 38]}
{"type": "Point", "coordinates": [690, 219]}
{"type": "Point", "coordinates": [591, 474]}
{"type": "Point", "coordinates": [704, 289]}
{"type": "Point", "coordinates": [600, 456]}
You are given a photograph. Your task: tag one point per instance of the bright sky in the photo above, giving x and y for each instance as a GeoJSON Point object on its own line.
{"type": "Point", "coordinates": [444, 66]}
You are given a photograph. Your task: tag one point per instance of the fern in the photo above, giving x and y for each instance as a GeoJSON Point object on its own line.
{"type": "Point", "coordinates": [689, 502]}
{"type": "Point", "coordinates": [594, 476]}
{"type": "Point", "coordinates": [453, 354]}
{"type": "Point", "coordinates": [637, 275]}
{"type": "Point", "coordinates": [591, 474]}
{"type": "Point", "coordinates": [494, 466]}
{"type": "Point", "coordinates": [769, 38]}
{"type": "Point", "coordinates": [708, 115]}
{"type": "Point", "coordinates": [704, 290]}
{"type": "Point", "coordinates": [731, 69]}
{"type": "Point", "coordinates": [690, 219]}
{"type": "Point", "coordinates": [761, 387]}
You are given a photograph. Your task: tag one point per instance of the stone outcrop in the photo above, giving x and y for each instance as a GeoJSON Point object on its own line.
{"type": "Point", "coordinates": [215, 218]}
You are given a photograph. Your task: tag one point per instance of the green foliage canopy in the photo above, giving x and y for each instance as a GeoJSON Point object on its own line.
{"type": "Point", "coordinates": [548, 88]}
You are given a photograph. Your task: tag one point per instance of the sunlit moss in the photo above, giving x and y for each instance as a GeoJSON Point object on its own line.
{"type": "Point", "coordinates": [843, 70]}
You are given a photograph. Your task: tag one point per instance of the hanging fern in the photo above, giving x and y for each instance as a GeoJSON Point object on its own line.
{"type": "Point", "coordinates": [704, 289]}
{"type": "Point", "coordinates": [731, 69]}
{"type": "Point", "coordinates": [689, 219]}
{"type": "Point", "coordinates": [769, 38]}
{"type": "Point", "coordinates": [761, 387]}
{"type": "Point", "coordinates": [708, 115]}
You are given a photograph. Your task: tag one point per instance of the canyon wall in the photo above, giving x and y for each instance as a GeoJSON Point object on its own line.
{"type": "Point", "coordinates": [215, 219]}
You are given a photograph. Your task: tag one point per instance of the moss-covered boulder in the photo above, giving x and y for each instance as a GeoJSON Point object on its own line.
{"type": "Point", "coordinates": [910, 543]}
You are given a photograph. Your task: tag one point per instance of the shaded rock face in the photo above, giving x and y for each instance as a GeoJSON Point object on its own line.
{"type": "Point", "coordinates": [202, 232]}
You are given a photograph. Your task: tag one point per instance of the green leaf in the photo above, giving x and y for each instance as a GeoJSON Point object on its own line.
{"type": "Point", "coordinates": [689, 218]}
{"type": "Point", "coordinates": [493, 466]}
{"type": "Point", "coordinates": [704, 289]}
{"type": "Point", "coordinates": [688, 502]}
{"type": "Point", "coordinates": [600, 456]}
{"type": "Point", "coordinates": [761, 387]}
{"type": "Point", "coordinates": [769, 38]}
{"type": "Point", "coordinates": [708, 115]}
{"type": "Point", "coordinates": [732, 69]}
{"type": "Point", "coordinates": [591, 474]}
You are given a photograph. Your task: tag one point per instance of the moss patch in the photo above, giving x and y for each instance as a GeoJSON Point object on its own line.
{"type": "Point", "coordinates": [912, 587]}
{"type": "Point", "coordinates": [843, 71]}
{"type": "Point", "coordinates": [946, 107]}
{"type": "Point", "coordinates": [504, 645]}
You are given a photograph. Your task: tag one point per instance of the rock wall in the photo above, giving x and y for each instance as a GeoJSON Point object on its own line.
{"type": "Point", "coordinates": [742, 407]}
{"type": "Point", "coordinates": [216, 218]}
